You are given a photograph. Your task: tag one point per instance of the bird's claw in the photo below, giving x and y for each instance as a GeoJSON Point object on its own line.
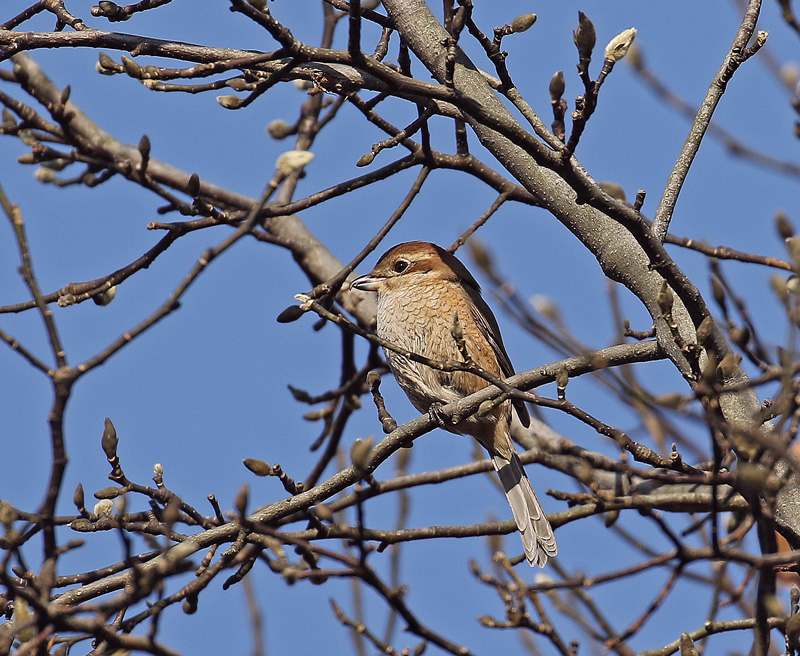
{"type": "Point", "coordinates": [441, 419]}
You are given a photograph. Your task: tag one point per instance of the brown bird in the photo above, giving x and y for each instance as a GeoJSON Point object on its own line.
{"type": "Point", "coordinates": [420, 287]}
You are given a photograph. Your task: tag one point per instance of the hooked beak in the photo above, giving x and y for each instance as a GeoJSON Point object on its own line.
{"type": "Point", "coordinates": [366, 284]}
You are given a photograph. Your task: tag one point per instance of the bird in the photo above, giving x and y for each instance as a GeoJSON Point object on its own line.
{"type": "Point", "coordinates": [421, 287]}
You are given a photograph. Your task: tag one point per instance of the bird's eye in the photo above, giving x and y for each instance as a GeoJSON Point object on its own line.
{"type": "Point", "coordinates": [400, 266]}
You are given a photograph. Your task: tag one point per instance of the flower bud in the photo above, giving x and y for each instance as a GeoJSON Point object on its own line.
{"type": "Point", "coordinates": [104, 298]}
{"type": "Point", "coordinates": [617, 48]}
{"type": "Point", "coordinates": [238, 84]}
{"type": "Point", "coordinates": [793, 246]}
{"type": "Point", "coordinates": [366, 159]}
{"type": "Point", "coordinates": [44, 174]}
{"type": "Point", "coordinates": [131, 67]}
{"type": "Point", "coordinates": [229, 102]}
{"type": "Point", "coordinates": [523, 23]}
{"type": "Point", "coordinates": [279, 129]}
{"type": "Point", "coordinates": [779, 286]}
{"type": "Point", "coordinates": [103, 508]}
{"type": "Point", "coordinates": [106, 65]}
{"type": "Point", "coordinates": [359, 452]}
{"type": "Point", "coordinates": [293, 161]}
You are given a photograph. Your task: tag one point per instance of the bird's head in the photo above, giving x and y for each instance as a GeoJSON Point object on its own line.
{"type": "Point", "coordinates": [411, 263]}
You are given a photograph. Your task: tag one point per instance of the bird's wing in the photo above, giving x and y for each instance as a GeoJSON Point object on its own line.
{"type": "Point", "coordinates": [487, 324]}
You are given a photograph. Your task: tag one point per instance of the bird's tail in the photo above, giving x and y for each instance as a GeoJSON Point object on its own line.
{"type": "Point", "coordinates": [537, 535]}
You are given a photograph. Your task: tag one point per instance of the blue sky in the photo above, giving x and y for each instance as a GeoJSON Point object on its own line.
{"type": "Point", "coordinates": [207, 386]}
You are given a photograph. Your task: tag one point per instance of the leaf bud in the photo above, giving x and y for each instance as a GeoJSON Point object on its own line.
{"type": "Point", "coordinates": [783, 225]}
{"type": "Point", "coordinates": [557, 85]}
{"type": "Point", "coordinates": [109, 441]}
{"type": "Point", "coordinates": [290, 314]}
{"type": "Point", "coordinates": [614, 190]}
{"type": "Point", "coordinates": [189, 604]}
{"type": "Point", "coordinates": [258, 467]}
{"type": "Point", "coordinates": [705, 330]}
{"type": "Point", "coordinates": [240, 502]}
{"type": "Point", "coordinates": [78, 497]}
{"type": "Point", "coordinates": [110, 492]}
{"type": "Point", "coordinates": [727, 366]}
{"type": "Point", "coordinates": [584, 37]}
{"type": "Point", "coordinates": [665, 298]}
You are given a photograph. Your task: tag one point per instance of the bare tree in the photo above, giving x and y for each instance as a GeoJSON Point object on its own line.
{"type": "Point", "coordinates": [709, 473]}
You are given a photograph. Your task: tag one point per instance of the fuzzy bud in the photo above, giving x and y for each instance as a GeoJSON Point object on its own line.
{"type": "Point", "coordinates": [104, 298]}
{"type": "Point", "coordinates": [279, 129]}
{"type": "Point", "coordinates": [779, 286]}
{"type": "Point", "coordinates": [103, 508]}
{"type": "Point", "coordinates": [366, 159]}
{"type": "Point", "coordinates": [131, 67]}
{"type": "Point", "coordinates": [229, 102]}
{"type": "Point", "coordinates": [293, 161]}
{"type": "Point", "coordinates": [523, 23]}
{"type": "Point", "coordinates": [360, 450]}
{"type": "Point", "coordinates": [238, 84]}
{"type": "Point", "coordinates": [618, 47]}
{"type": "Point", "coordinates": [44, 174]}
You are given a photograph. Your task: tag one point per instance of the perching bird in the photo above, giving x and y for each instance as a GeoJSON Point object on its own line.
{"type": "Point", "coordinates": [420, 287]}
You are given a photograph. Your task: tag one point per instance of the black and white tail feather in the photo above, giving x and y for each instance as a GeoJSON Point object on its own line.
{"type": "Point", "coordinates": [537, 535]}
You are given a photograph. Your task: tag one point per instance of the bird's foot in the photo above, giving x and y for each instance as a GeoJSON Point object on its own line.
{"type": "Point", "coordinates": [442, 420]}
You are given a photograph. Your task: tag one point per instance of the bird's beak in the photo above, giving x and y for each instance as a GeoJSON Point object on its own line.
{"type": "Point", "coordinates": [366, 284]}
